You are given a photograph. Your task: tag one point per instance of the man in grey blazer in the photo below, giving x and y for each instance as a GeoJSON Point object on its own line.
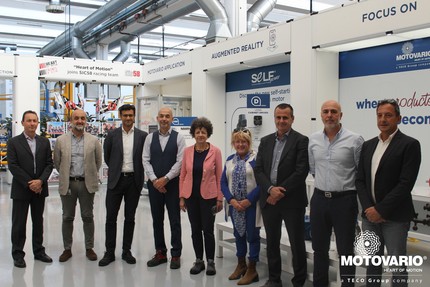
{"type": "Point", "coordinates": [30, 162]}
{"type": "Point", "coordinates": [78, 158]}
{"type": "Point", "coordinates": [123, 154]}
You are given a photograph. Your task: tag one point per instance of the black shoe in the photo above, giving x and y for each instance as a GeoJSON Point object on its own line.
{"type": "Point", "coordinates": [19, 262]}
{"type": "Point", "coordinates": [128, 257]}
{"type": "Point", "coordinates": [210, 270]}
{"type": "Point", "coordinates": [43, 257]}
{"type": "Point", "coordinates": [175, 262]}
{"type": "Point", "coordinates": [159, 258]}
{"type": "Point", "coordinates": [107, 259]}
{"type": "Point", "coordinates": [198, 267]}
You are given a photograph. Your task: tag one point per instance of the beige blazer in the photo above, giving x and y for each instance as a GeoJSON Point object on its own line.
{"type": "Point", "coordinates": [92, 161]}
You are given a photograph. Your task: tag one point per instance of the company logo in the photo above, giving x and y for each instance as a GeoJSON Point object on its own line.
{"type": "Point", "coordinates": [175, 121]}
{"type": "Point", "coordinates": [407, 48]}
{"type": "Point", "coordinates": [408, 53]}
{"type": "Point", "coordinates": [258, 101]}
{"type": "Point", "coordinates": [367, 243]}
{"type": "Point", "coordinates": [264, 77]}
{"type": "Point", "coordinates": [272, 40]}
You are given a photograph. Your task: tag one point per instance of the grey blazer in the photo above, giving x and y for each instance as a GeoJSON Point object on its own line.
{"type": "Point", "coordinates": [92, 161]}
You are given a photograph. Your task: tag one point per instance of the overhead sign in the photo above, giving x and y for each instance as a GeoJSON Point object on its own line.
{"type": "Point", "coordinates": [87, 71]}
{"type": "Point", "coordinates": [366, 19]}
{"type": "Point", "coordinates": [264, 43]}
{"type": "Point", "coordinates": [167, 68]}
{"type": "Point", "coordinates": [7, 67]}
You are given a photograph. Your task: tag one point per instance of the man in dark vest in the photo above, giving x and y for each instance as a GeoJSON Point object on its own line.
{"type": "Point", "coordinates": [162, 159]}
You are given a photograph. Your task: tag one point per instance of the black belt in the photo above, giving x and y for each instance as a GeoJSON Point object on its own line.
{"type": "Point", "coordinates": [334, 194]}
{"type": "Point", "coordinates": [126, 174]}
{"type": "Point", "coordinates": [77, 178]}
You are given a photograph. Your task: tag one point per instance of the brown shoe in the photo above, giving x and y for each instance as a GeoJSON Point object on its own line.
{"type": "Point", "coordinates": [91, 255]}
{"type": "Point", "coordinates": [67, 254]}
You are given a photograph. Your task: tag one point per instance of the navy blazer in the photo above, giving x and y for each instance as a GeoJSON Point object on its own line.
{"type": "Point", "coordinates": [21, 165]}
{"type": "Point", "coordinates": [292, 170]}
{"type": "Point", "coordinates": [394, 179]}
{"type": "Point", "coordinates": [113, 156]}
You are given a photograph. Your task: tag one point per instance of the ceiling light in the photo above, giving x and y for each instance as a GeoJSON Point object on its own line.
{"type": "Point", "coordinates": [55, 7]}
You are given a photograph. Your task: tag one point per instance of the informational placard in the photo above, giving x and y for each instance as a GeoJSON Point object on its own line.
{"type": "Point", "coordinates": [398, 71]}
{"type": "Point", "coordinates": [182, 125]}
{"type": "Point", "coordinates": [251, 98]}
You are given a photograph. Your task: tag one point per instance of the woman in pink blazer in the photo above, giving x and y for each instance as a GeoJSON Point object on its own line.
{"type": "Point", "coordinates": [200, 192]}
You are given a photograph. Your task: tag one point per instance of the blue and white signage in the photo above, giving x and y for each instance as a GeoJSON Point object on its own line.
{"type": "Point", "coordinates": [398, 71]}
{"type": "Point", "coordinates": [393, 58]}
{"type": "Point", "coordinates": [270, 76]}
{"type": "Point", "coordinates": [258, 101]}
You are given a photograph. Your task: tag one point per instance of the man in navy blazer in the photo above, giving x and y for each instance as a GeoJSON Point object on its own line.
{"type": "Point", "coordinates": [281, 169]}
{"type": "Point", "coordinates": [123, 149]}
{"type": "Point", "coordinates": [387, 172]}
{"type": "Point", "coordinates": [30, 162]}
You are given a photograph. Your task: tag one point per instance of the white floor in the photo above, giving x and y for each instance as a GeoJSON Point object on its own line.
{"type": "Point", "coordinates": [79, 271]}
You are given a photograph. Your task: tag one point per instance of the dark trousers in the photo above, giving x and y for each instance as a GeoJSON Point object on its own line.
{"type": "Point", "coordinates": [340, 214]}
{"type": "Point", "coordinates": [19, 222]}
{"type": "Point", "coordinates": [202, 222]}
{"type": "Point", "coordinates": [273, 215]}
{"type": "Point", "coordinates": [126, 188]}
{"type": "Point", "coordinates": [170, 199]}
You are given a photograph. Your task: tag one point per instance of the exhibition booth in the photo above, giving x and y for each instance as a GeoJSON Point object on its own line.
{"type": "Point", "coordinates": [356, 54]}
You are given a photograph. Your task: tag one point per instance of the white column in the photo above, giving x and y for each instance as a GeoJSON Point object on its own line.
{"type": "Point", "coordinates": [102, 52]}
{"type": "Point", "coordinates": [27, 90]}
{"type": "Point", "coordinates": [208, 100]}
{"type": "Point", "coordinates": [236, 12]}
{"type": "Point", "coordinates": [314, 77]}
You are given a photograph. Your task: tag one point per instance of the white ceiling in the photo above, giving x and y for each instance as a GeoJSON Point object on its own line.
{"type": "Point", "coordinates": [25, 26]}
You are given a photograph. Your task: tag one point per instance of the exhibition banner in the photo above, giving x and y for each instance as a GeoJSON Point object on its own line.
{"type": "Point", "coordinates": [89, 71]}
{"type": "Point", "coordinates": [399, 71]}
{"type": "Point", "coordinates": [251, 98]}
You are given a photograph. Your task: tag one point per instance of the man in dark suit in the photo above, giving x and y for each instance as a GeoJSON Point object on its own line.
{"type": "Point", "coordinates": [387, 172]}
{"type": "Point", "coordinates": [123, 149]}
{"type": "Point", "coordinates": [281, 169]}
{"type": "Point", "coordinates": [30, 162]}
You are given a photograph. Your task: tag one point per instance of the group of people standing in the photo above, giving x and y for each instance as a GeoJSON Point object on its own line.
{"type": "Point", "coordinates": [268, 184]}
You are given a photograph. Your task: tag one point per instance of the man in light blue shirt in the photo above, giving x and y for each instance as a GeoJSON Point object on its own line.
{"type": "Point", "coordinates": [334, 155]}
